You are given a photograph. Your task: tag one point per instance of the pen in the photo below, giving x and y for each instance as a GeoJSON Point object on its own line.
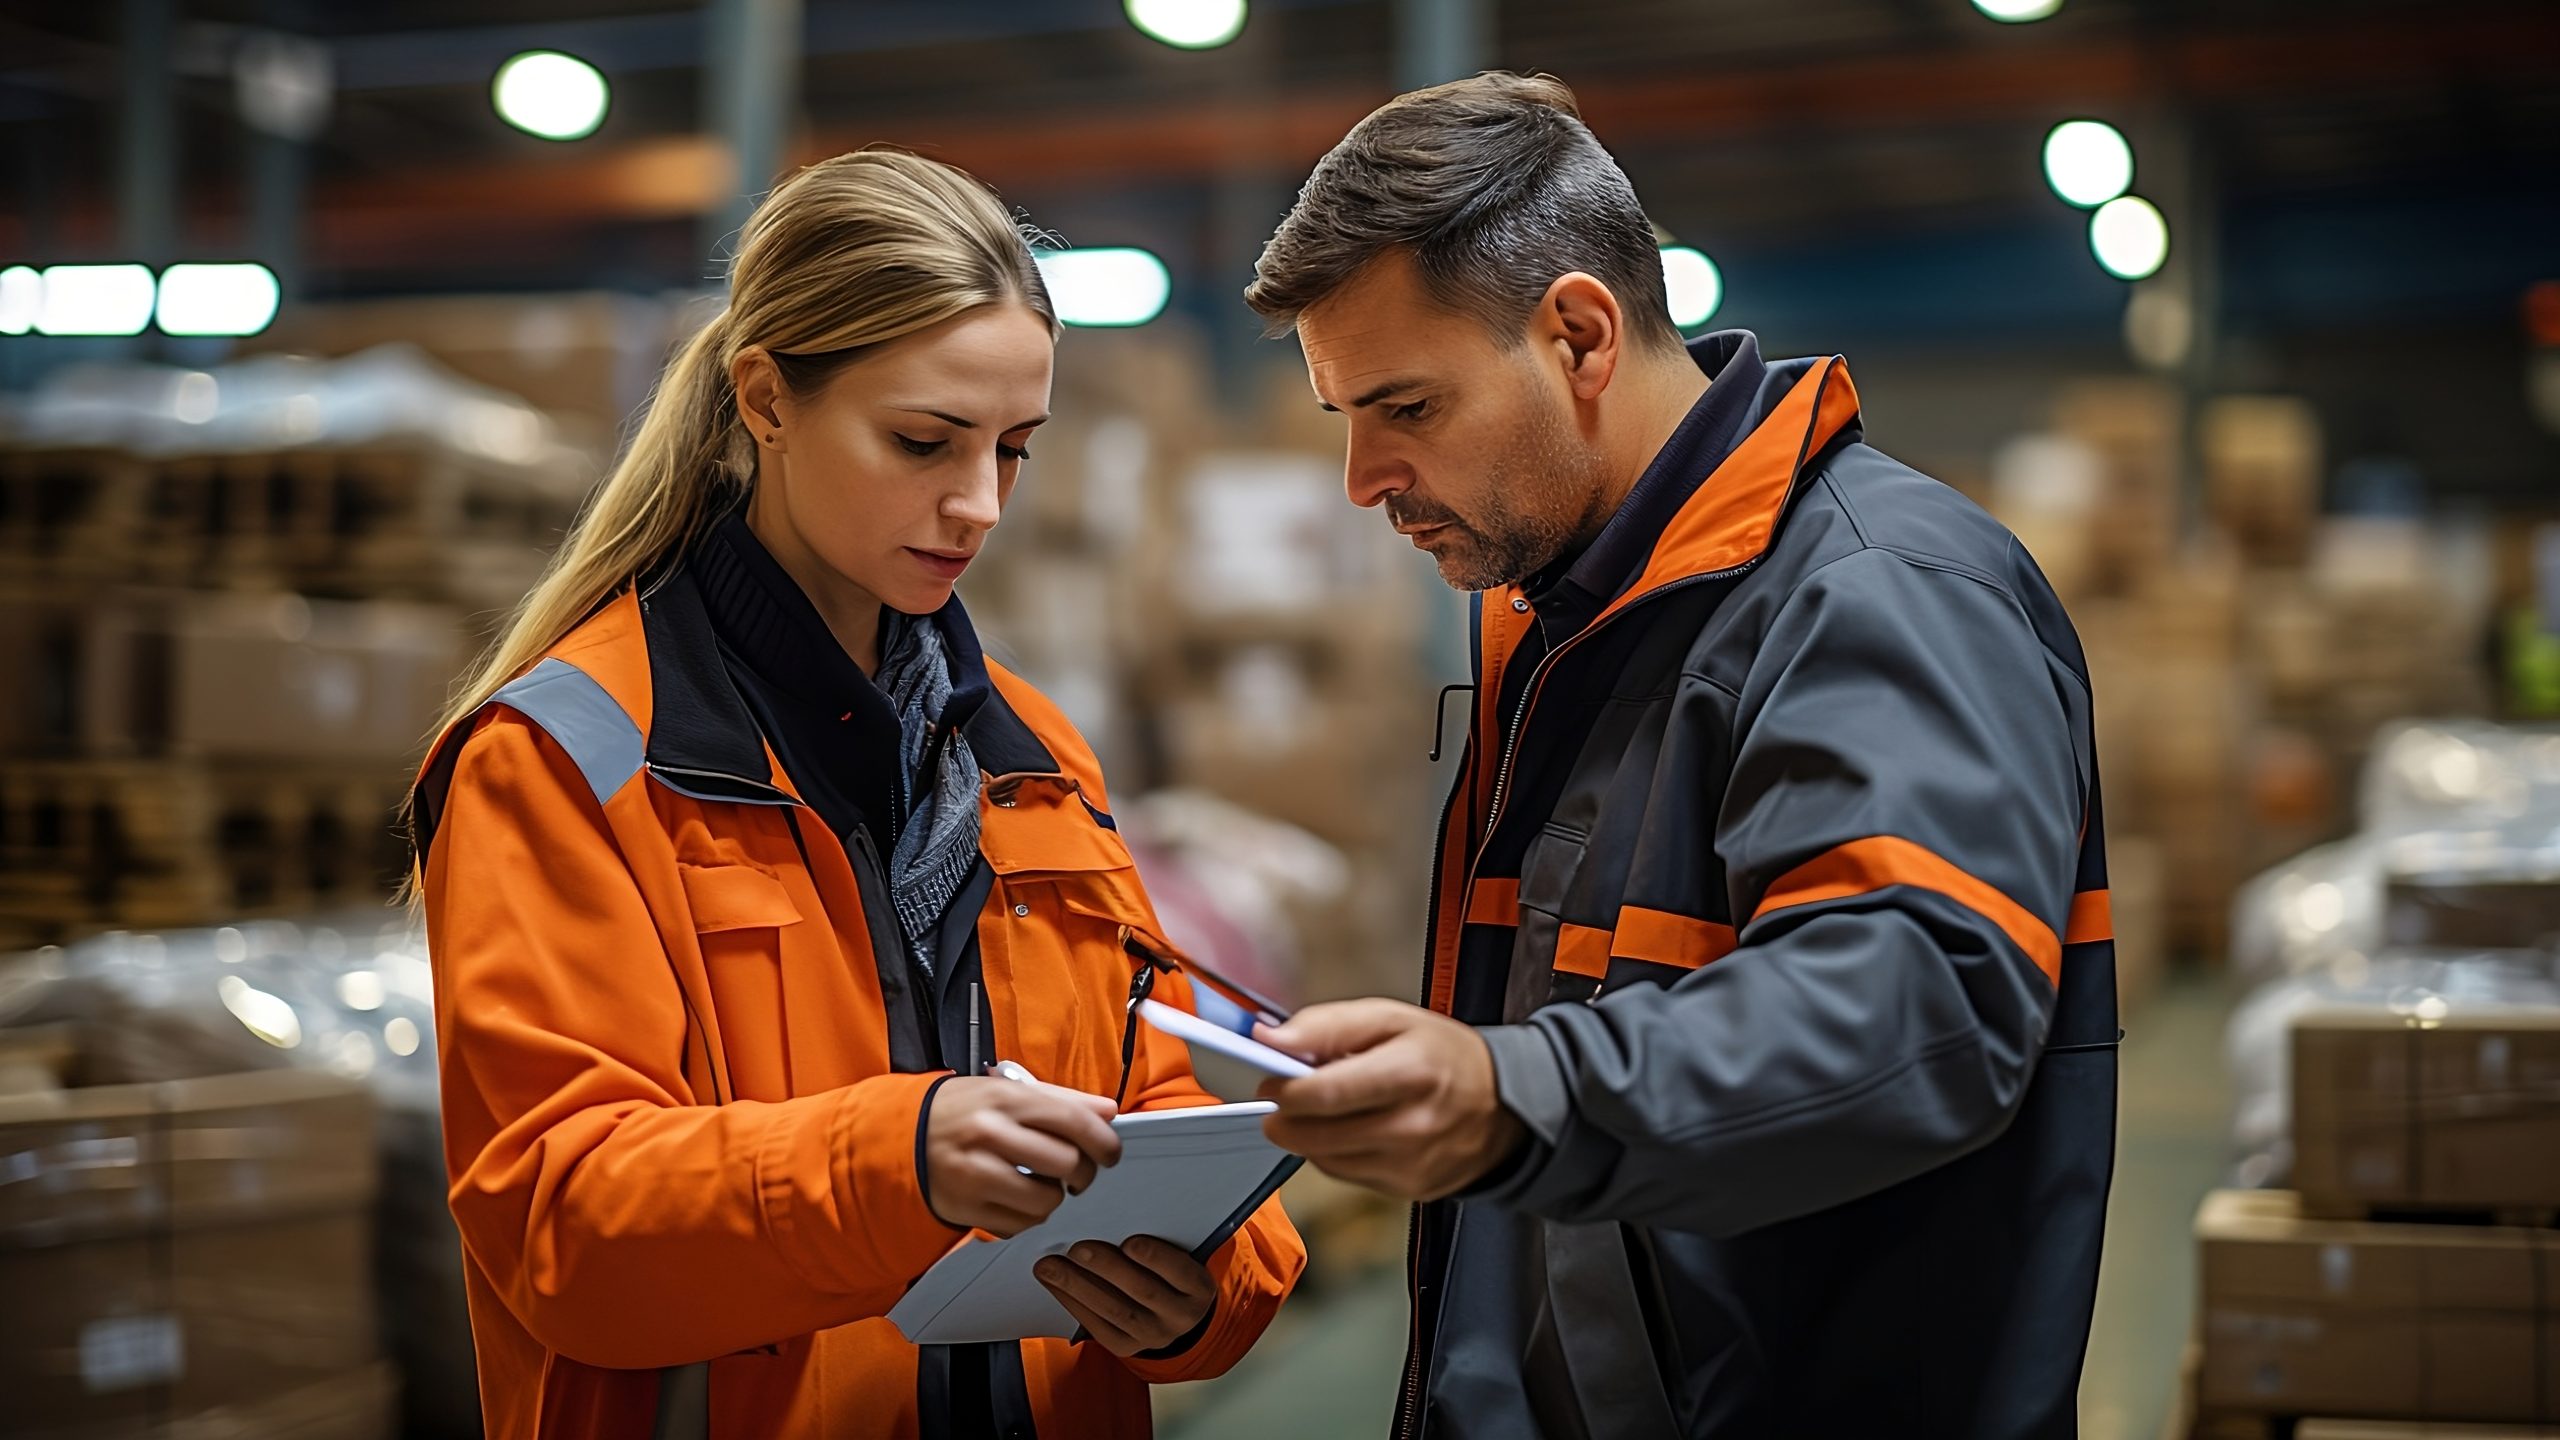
{"type": "Point", "coordinates": [973, 1029]}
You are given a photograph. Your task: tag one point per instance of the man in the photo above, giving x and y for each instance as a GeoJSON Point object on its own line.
{"type": "Point", "coordinates": [1764, 1083]}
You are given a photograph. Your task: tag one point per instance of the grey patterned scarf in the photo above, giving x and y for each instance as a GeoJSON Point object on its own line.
{"type": "Point", "coordinates": [937, 843]}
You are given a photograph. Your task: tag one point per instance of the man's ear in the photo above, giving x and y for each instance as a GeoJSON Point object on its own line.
{"type": "Point", "coordinates": [1580, 320]}
{"type": "Point", "coordinates": [758, 384]}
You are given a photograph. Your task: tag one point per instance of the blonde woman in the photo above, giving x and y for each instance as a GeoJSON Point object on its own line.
{"type": "Point", "coordinates": [719, 843]}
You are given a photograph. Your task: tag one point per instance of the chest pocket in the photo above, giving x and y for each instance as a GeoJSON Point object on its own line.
{"type": "Point", "coordinates": [1552, 958]}
{"type": "Point", "coordinates": [740, 912]}
{"type": "Point", "coordinates": [726, 898]}
{"type": "Point", "coordinates": [1050, 939]}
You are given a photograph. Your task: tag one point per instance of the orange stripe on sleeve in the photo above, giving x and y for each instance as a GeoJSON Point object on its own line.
{"type": "Point", "coordinates": [1861, 867]}
{"type": "Point", "coordinates": [2093, 917]}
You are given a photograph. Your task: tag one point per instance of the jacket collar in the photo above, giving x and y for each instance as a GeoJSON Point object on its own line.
{"type": "Point", "coordinates": [701, 728]}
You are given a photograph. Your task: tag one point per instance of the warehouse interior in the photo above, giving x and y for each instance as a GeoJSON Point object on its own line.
{"type": "Point", "coordinates": [319, 323]}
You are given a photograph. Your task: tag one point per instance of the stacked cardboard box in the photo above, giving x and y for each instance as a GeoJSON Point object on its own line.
{"type": "Point", "coordinates": [196, 1261]}
{"type": "Point", "coordinates": [2440, 1108]}
{"type": "Point", "coordinates": [2261, 460]}
{"type": "Point", "coordinates": [2242, 659]}
{"type": "Point", "coordinates": [2353, 1318]}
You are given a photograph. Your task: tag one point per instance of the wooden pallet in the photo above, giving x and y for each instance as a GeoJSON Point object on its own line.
{"type": "Point", "coordinates": [408, 519]}
{"type": "Point", "coordinates": [69, 512]}
{"type": "Point", "coordinates": [155, 844]}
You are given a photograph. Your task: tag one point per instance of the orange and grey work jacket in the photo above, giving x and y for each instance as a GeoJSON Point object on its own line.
{"type": "Point", "coordinates": [1776, 875]}
{"type": "Point", "coordinates": [676, 1137]}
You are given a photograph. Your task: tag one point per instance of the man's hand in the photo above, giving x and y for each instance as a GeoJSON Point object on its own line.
{"type": "Point", "coordinates": [1142, 1296]}
{"type": "Point", "coordinates": [1402, 1099]}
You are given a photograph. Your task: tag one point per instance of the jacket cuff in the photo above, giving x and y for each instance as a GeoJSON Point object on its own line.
{"type": "Point", "coordinates": [845, 1199]}
{"type": "Point", "coordinates": [1529, 1081]}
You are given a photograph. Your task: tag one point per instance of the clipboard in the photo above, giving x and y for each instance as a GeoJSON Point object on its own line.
{"type": "Point", "coordinates": [1190, 1176]}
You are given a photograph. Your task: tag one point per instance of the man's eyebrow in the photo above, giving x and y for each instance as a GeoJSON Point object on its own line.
{"type": "Point", "coordinates": [1375, 393]}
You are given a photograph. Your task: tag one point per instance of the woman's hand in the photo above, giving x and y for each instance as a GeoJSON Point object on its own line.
{"type": "Point", "coordinates": [982, 1133]}
{"type": "Point", "coordinates": [1142, 1296]}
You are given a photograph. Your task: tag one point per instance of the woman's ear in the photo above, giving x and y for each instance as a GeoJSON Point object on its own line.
{"type": "Point", "coordinates": [758, 383]}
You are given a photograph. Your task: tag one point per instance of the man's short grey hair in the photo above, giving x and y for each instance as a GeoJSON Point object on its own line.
{"type": "Point", "coordinates": [1493, 186]}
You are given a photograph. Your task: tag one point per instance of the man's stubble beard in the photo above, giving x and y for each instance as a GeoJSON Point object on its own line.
{"type": "Point", "coordinates": [1541, 494]}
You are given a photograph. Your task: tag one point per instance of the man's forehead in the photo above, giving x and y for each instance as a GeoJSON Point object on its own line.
{"type": "Point", "coordinates": [1376, 326]}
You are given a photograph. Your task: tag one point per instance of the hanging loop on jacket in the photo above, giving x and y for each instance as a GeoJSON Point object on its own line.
{"type": "Point", "coordinates": [1440, 715]}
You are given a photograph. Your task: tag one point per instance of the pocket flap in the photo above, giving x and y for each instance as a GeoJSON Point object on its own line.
{"type": "Point", "coordinates": [736, 897]}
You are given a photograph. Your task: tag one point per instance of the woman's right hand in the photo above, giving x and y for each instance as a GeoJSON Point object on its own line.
{"type": "Point", "coordinates": [981, 1129]}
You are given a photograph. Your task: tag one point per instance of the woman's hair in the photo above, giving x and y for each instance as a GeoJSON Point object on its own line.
{"type": "Point", "coordinates": [848, 254]}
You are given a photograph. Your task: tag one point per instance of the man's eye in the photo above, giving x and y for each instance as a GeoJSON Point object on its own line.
{"type": "Point", "coordinates": [1412, 411]}
{"type": "Point", "coordinates": [921, 447]}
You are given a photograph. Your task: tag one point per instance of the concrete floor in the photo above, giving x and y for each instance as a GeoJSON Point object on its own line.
{"type": "Point", "coordinates": [1329, 1365]}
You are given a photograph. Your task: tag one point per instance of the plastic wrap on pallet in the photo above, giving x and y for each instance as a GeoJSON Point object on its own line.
{"type": "Point", "coordinates": [2458, 774]}
{"type": "Point", "coordinates": [275, 402]}
{"type": "Point", "coordinates": [2416, 983]}
{"type": "Point", "coordinates": [2459, 845]}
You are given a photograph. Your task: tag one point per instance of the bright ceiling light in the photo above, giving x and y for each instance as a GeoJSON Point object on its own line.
{"type": "Point", "coordinates": [2017, 12]}
{"type": "Point", "coordinates": [95, 300]}
{"type": "Point", "coordinates": [1109, 286]}
{"type": "Point", "coordinates": [2129, 237]}
{"type": "Point", "coordinates": [217, 299]}
{"type": "Point", "coordinates": [2087, 162]}
{"type": "Point", "coordinates": [546, 93]}
{"type": "Point", "coordinates": [1188, 24]}
{"type": "Point", "coordinates": [1693, 284]}
{"type": "Point", "coordinates": [21, 297]}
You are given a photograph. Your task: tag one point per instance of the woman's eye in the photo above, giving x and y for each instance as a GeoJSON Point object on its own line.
{"type": "Point", "coordinates": [921, 447]}
{"type": "Point", "coordinates": [1012, 452]}
{"type": "Point", "coordinates": [1412, 411]}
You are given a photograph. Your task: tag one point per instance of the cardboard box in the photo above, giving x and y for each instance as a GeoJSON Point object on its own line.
{"type": "Point", "coordinates": [2466, 912]}
{"type": "Point", "coordinates": [2261, 460]}
{"type": "Point", "coordinates": [2425, 1322]}
{"type": "Point", "coordinates": [194, 1248]}
{"type": "Point", "coordinates": [2458, 1110]}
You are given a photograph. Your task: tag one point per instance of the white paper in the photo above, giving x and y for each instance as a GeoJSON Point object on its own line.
{"type": "Point", "coordinates": [1181, 1174]}
{"type": "Point", "coordinates": [1183, 1025]}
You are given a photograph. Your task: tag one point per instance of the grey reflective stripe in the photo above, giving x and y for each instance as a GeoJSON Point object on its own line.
{"type": "Point", "coordinates": [580, 718]}
{"type": "Point", "coordinates": [684, 1403]}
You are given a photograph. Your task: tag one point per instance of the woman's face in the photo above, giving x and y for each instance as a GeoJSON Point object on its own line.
{"type": "Point", "coordinates": [891, 475]}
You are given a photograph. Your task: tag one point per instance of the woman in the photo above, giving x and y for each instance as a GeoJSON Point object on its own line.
{"type": "Point", "coordinates": [736, 849]}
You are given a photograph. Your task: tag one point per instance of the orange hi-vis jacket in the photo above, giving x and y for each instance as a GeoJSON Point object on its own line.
{"type": "Point", "coordinates": [671, 1124]}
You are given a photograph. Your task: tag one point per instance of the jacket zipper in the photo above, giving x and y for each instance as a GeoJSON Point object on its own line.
{"type": "Point", "coordinates": [928, 1019]}
{"type": "Point", "coordinates": [1529, 692]}
{"type": "Point", "coordinates": [1408, 1401]}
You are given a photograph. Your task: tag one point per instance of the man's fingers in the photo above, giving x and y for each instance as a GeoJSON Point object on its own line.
{"type": "Point", "coordinates": [1327, 1032]}
{"type": "Point", "coordinates": [1377, 1079]}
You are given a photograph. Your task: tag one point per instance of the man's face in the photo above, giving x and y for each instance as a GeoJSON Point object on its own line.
{"type": "Point", "coordinates": [1472, 446]}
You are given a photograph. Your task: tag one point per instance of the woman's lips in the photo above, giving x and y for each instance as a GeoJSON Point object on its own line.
{"type": "Point", "coordinates": [940, 566]}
